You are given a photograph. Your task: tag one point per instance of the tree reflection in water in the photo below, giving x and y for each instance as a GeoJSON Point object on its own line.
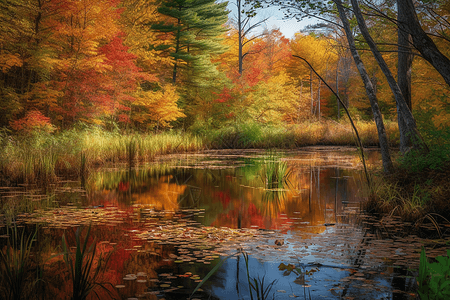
{"type": "Point", "coordinates": [294, 193]}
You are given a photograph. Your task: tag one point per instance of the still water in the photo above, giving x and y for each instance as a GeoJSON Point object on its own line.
{"type": "Point", "coordinates": [287, 221]}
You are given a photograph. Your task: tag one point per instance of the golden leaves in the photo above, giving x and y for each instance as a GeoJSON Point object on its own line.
{"type": "Point", "coordinates": [158, 108]}
{"type": "Point", "coordinates": [9, 60]}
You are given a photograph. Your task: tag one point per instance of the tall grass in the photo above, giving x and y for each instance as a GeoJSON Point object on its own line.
{"type": "Point", "coordinates": [327, 132]}
{"type": "Point", "coordinates": [84, 266]}
{"type": "Point", "coordinates": [41, 157]}
{"type": "Point", "coordinates": [420, 185]}
{"type": "Point", "coordinates": [102, 147]}
{"type": "Point", "coordinates": [16, 266]}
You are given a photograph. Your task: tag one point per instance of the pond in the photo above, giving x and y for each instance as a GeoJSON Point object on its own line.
{"type": "Point", "coordinates": [289, 222]}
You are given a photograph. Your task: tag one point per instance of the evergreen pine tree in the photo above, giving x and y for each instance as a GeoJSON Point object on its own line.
{"type": "Point", "coordinates": [194, 28]}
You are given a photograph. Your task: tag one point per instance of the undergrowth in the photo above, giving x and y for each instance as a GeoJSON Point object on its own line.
{"type": "Point", "coordinates": [327, 132]}
{"type": "Point", "coordinates": [420, 186]}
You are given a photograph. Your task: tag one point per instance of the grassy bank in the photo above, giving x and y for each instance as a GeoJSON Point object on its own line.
{"type": "Point", "coordinates": [252, 135]}
{"type": "Point", "coordinates": [41, 158]}
{"type": "Point", "coordinates": [419, 190]}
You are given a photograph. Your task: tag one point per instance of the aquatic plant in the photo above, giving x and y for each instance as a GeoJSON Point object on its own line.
{"type": "Point", "coordinates": [257, 287]}
{"type": "Point", "coordinates": [275, 173]}
{"type": "Point", "coordinates": [301, 280]}
{"type": "Point", "coordinates": [86, 267]}
{"type": "Point", "coordinates": [16, 266]}
{"type": "Point", "coordinates": [434, 278]}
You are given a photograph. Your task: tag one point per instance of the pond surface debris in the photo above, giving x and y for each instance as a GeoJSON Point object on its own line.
{"type": "Point", "coordinates": [167, 229]}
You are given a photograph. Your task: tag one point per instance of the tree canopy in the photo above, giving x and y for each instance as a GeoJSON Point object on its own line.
{"type": "Point", "coordinates": [142, 65]}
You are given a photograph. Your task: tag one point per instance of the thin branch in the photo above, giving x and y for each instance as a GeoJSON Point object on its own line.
{"type": "Point", "coordinates": [254, 26]}
{"type": "Point", "coordinates": [309, 14]}
{"type": "Point", "coordinates": [359, 143]}
{"type": "Point", "coordinates": [253, 38]}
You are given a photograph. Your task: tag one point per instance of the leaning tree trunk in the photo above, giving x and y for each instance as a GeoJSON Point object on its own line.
{"type": "Point", "coordinates": [422, 42]}
{"type": "Point", "coordinates": [405, 58]}
{"type": "Point", "coordinates": [410, 123]}
{"type": "Point", "coordinates": [382, 137]}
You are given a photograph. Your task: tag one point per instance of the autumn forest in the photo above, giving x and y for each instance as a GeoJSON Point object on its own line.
{"type": "Point", "coordinates": [176, 126]}
{"type": "Point", "coordinates": [149, 66]}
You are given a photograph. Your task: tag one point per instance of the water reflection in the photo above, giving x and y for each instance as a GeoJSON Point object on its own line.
{"type": "Point", "coordinates": [265, 190]}
{"type": "Point", "coordinates": [169, 221]}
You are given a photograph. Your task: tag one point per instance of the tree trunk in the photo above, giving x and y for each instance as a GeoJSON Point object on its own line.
{"type": "Point", "coordinates": [410, 123]}
{"type": "Point", "coordinates": [240, 34]}
{"type": "Point", "coordinates": [382, 137]}
{"type": "Point", "coordinates": [177, 49]}
{"type": "Point", "coordinates": [337, 86]}
{"type": "Point", "coordinates": [300, 101]}
{"type": "Point", "coordinates": [405, 58]}
{"type": "Point", "coordinates": [318, 98]}
{"type": "Point", "coordinates": [422, 42]}
{"type": "Point", "coordinates": [311, 91]}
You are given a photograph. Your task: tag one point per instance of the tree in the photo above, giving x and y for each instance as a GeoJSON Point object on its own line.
{"type": "Point", "coordinates": [411, 36]}
{"type": "Point", "coordinates": [421, 41]}
{"type": "Point", "coordinates": [194, 29]}
{"type": "Point", "coordinates": [407, 123]}
{"type": "Point", "coordinates": [80, 31]}
{"type": "Point", "coordinates": [384, 145]}
{"type": "Point", "coordinates": [245, 28]}
{"type": "Point", "coordinates": [405, 59]}
{"type": "Point", "coordinates": [148, 45]}
{"type": "Point", "coordinates": [317, 51]}
{"type": "Point", "coordinates": [23, 61]}
{"type": "Point", "coordinates": [277, 101]}
{"type": "Point", "coordinates": [115, 94]}
{"type": "Point", "coordinates": [156, 109]}
{"type": "Point", "coordinates": [320, 9]}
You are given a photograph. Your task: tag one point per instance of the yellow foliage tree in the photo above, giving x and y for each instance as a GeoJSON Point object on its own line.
{"type": "Point", "coordinates": [156, 109]}
{"type": "Point", "coordinates": [317, 51]}
{"type": "Point", "coordinates": [277, 100]}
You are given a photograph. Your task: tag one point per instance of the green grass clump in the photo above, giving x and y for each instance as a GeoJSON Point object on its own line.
{"type": "Point", "coordinates": [274, 173]}
{"type": "Point", "coordinates": [18, 272]}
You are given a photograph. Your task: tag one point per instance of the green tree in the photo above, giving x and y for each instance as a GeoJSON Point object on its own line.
{"type": "Point", "coordinates": [193, 28]}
